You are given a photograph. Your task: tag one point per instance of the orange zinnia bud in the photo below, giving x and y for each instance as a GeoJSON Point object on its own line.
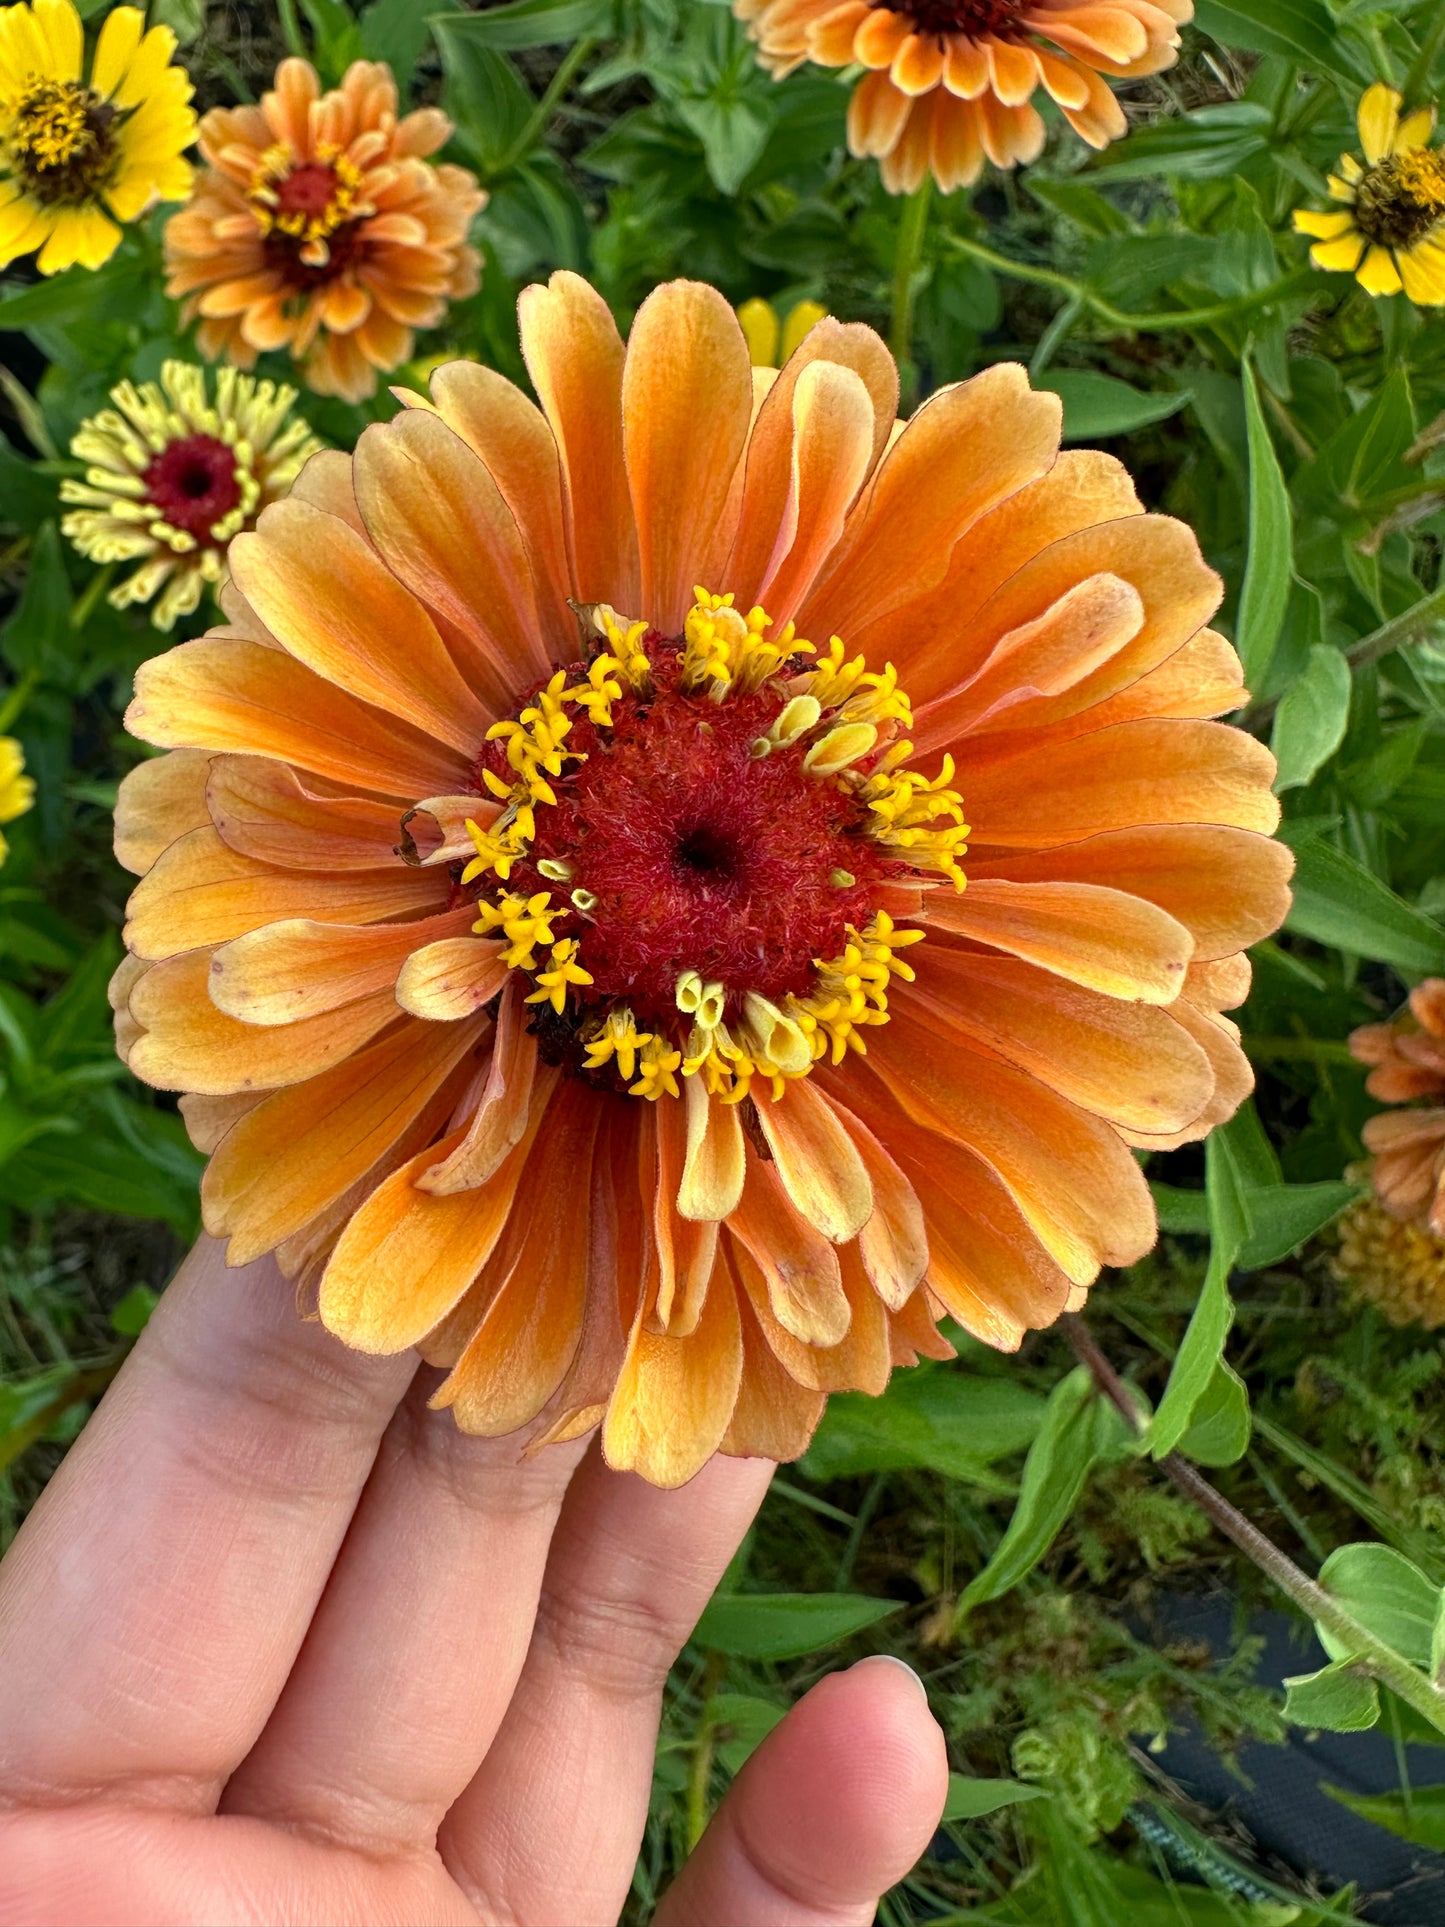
{"type": "Point", "coordinates": [321, 227]}
{"type": "Point", "coordinates": [558, 907]}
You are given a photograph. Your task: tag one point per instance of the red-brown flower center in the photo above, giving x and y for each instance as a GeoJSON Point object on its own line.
{"type": "Point", "coordinates": [193, 484]}
{"type": "Point", "coordinates": [690, 851]}
{"type": "Point", "coordinates": [307, 190]}
{"type": "Point", "coordinates": [973, 18]}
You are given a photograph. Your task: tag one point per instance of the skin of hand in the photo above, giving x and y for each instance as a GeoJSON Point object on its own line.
{"type": "Point", "coordinates": [278, 1645]}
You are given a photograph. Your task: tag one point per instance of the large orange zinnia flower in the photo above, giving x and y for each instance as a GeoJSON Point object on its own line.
{"type": "Point", "coordinates": [321, 227]}
{"type": "Point", "coordinates": [516, 914]}
{"type": "Point", "coordinates": [950, 82]}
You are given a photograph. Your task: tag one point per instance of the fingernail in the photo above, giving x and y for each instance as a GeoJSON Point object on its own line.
{"type": "Point", "coordinates": [891, 1659]}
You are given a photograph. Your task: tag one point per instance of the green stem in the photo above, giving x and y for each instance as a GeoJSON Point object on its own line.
{"type": "Point", "coordinates": [1417, 83]}
{"type": "Point", "coordinates": [911, 230]}
{"type": "Point", "coordinates": [1400, 632]}
{"type": "Point", "coordinates": [1390, 1668]}
{"type": "Point", "coordinates": [542, 113]}
{"type": "Point", "coordinates": [84, 607]}
{"type": "Point", "coordinates": [14, 703]}
{"type": "Point", "coordinates": [1139, 323]}
{"type": "Point", "coordinates": [291, 29]}
{"type": "Point", "coordinates": [703, 1747]}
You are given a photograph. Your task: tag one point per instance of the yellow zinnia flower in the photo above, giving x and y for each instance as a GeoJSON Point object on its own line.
{"type": "Point", "coordinates": [1393, 234]}
{"type": "Point", "coordinates": [171, 477]}
{"type": "Point", "coordinates": [70, 150]}
{"type": "Point", "coordinates": [17, 790]}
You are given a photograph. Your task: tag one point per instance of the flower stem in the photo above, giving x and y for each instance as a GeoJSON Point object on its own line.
{"type": "Point", "coordinates": [703, 1747]}
{"type": "Point", "coordinates": [291, 29]}
{"type": "Point", "coordinates": [911, 230]}
{"type": "Point", "coordinates": [1417, 624]}
{"type": "Point", "coordinates": [537, 120]}
{"type": "Point", "coordinates": [1076, 291]}
{"type": "Point", "coordinates": [1390, 1668]}
{"type": "Point", "coordinates": [1417, 82]}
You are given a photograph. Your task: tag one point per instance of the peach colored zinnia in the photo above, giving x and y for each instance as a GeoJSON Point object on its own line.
{"type": "Point", "coordinates": [1407, 1064]}
{"type": "Point", "coordinates": [560, 935]}
{"type": "Point", "coordinates": [322, 228]}
{"type": "Point", "coordinates": [950, 83]}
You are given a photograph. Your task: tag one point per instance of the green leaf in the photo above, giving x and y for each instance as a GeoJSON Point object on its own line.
{"type": "Point", "coordinates": [1202, 1349]}
{"type": "Point", "coordinates": [1097, 406]}
{"type": "Point", "coordinates": [1285, 1216]}
{"type": "Point", "coordinates": [1299, 30]}
{"type": "Point", "coordinates": [1388, 1595]}
{"type": "Point", "coordinates": [1309, 724]}
{"type": "Point", "coordinates": [785, 1625]}
{"type": "Point", "coordinates": [1079, 1429]}
{"type": "Point", "coordinates": [970, 1799]}
{"type": "Point", "coordinates": [395, 31]}
{"type": "Point", "coordinates": [945, 1419]}
{"type": "Point", "coordinates": [1219, 1426]}
{"type": "Point", "coordinates": [741, 1723]}
{"type": "Point", "coordinates": [1268, 570]}
{"type": "Point", "coordinates": [487, 99]}
{"type": "Point", "coordinates": [76, 295]}
{"type": "Point", "coordinates": [1418, 1817]}
{"type": "Point", "coordinates": [532, 23]}
{"type": "Point", "coordinates": [733, 134]}
{"type": "Point", "coordinates": [1337, 1698]}
{"type": "Point", "coordinates": [1180, 1210]}
{"type": "Point", "coordinates": [132, 1314]}
{"type": "Point", "coordinates": [23, 1400]}
{"type": "Point", "coordinates": [38, 634]}
{"type": "Point", "coordinates": [1338, 901]}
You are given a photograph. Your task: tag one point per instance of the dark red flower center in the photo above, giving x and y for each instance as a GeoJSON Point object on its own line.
{"type": "Point", "coordinates": [972, 18]}
{"type": "Point", "coordinates": [692, 852]}
{"type": "Point", "coordinates": [307, 190]}
{"type": "Point", "coordinates": [192, 484]}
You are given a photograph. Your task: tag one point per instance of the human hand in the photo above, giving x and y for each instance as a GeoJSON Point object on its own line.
{"type": "Point", "coordinates": [279, 1645]}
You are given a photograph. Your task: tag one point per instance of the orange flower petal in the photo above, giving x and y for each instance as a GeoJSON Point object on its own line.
{"type": "Point", "coordinates": [529, 1332]}
{"type": "Point", "coordinates": [775, 1417]}
{"type": "Point", "coordinates": [326, 595]}
{"type": "Point", "coordinates": [574, 355]}
{"type": "Point", "coordinates": [189, 1045]}
{"type": "Point", "coordinates": [798, 1265]}
{"type": "Point", "coordinates": [1129, 1063]}
{"type": "Point", "coordinates": [305, 1146]}
{"type": "Point", "coordinates": [200, 891]}
{"type": "Point", "coordinates": [241, 696]}
{"type": "Point", "coordinates": [675, 1397]}
{"type": "Point", "coordinates": [502, 427]}
{"type": "Point", "coordinates": [1227, 887]}
{"type": "Point", "coordinates": [1132, 774]}
{"type": "Point", "coordinates": [264, 810]}
{"type": "Point", "coordinates": [441, 525]}
{"type": "Point", "coordinates": [158, 801]}
{"type": "Point", "coordinates": [407, 1256]}
{"type": "Point", "coordinates": [966, 450]}
{"type": "Point", "coordinates": [687, 392]}
{"type": "Point", "coordinates": [299, 967]}
{"type": "Point", "coordinates": [514, 1085]}
{"type": "Point", "coordinates": [452, 977]}
{"type": "Point", "coordinates": [680, 1257]}
{"type": "Point", "coordinates": [831, 455]}
{"type": "Point", "coordinates": [817, 1161]}
{"type": "Point", "coordinates": [1088, 933]}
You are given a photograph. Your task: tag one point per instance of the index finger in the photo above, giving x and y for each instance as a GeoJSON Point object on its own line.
{"type": "Point", "coordinates": [157, 1596]}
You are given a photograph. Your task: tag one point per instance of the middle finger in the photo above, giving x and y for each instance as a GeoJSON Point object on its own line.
{"type": "Point", "coordinates": [417, 1643]}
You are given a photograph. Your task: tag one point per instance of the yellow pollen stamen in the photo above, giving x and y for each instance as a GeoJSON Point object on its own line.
{"type": "Point", "coordinates": [553, 984]}
{"type": "Point", "coordinates": [619, 1041]}
{"type": "Point", "coordinates": [839, 748]}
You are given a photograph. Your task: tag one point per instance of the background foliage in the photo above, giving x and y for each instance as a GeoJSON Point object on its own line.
{"type": "Point", "coordinates": [995, 1522]}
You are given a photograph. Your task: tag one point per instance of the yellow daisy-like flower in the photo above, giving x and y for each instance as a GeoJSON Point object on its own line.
{"type": "Point", "coordinates": [172, 476]}
{"type": "Point", "coordinates": [17, 790]}
{"type": "Point", "coordinates": [70, 149]}
{"type": "Point", "coordinates": [1391, 233]}
{"type": "Point", "coordinates": [1398, 1264]}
